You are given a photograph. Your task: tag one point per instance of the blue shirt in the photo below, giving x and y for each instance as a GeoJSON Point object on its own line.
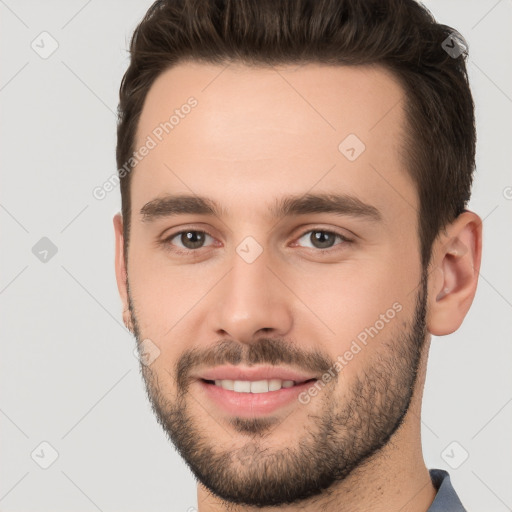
{"type": "Point", "coordinates": [446, 499]}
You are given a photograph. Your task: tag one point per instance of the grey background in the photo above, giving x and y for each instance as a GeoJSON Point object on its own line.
{"type": "Point", "coordinates": [68, 373]}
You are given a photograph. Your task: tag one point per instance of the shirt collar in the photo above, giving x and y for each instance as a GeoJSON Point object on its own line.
{"type": "Point", "coordinates": [446, 499]}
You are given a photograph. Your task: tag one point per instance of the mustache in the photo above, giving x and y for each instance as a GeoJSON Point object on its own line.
{"type": "Point", "coordinates": [269, 351]}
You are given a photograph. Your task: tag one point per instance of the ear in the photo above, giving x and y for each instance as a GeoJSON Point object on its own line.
{"type": "Point", "coordinates": [456, 256]}
{"type": "Point", "coordinates": [121, 273]}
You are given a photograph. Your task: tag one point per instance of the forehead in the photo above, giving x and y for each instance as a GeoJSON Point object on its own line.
{"type": "Point", "coordinates": [241, 134]}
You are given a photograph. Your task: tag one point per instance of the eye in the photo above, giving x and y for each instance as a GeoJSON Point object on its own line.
{"type": "Point", "coordinates": [190, 240]}
{"type": "Point", "coordinates": [322, 239]}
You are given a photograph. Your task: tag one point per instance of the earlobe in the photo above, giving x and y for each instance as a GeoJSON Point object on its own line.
{"type": "Point", "coordinates": [457, 256]}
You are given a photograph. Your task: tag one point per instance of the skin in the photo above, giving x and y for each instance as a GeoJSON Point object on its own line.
{"type": "Point", "coordinates": [258, 134]}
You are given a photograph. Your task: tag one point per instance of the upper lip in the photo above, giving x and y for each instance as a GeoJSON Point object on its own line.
{"type": "Point", "coordinates": [229, 372]}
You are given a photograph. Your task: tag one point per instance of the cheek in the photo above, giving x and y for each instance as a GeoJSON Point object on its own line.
{"type": "Point", "coordinates": [167, 297]}
{"type": "Point", "coordinates": [363, 307]}
{"type": "Point", "coordinates": [351, 296]}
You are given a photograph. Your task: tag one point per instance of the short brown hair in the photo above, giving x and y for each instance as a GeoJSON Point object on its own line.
{"type": "Point", "coordinates": [400, 35]}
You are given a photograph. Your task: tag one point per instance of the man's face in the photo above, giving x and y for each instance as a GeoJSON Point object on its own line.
{"type": "Point", "coordinates": [260, 295]}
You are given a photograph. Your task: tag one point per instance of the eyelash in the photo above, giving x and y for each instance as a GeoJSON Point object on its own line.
{"type": "Point", "coordinates": [185, 252]}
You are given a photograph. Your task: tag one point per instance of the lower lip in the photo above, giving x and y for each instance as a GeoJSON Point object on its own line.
{"type": "Point", "coordinates": [252, 404]}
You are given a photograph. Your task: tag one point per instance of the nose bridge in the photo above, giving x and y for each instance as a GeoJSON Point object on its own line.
{"type": "Point", "coordinates": [250, 298]}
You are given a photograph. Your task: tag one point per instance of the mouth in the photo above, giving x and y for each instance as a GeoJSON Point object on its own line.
{"type": "Point", "coordinates": [252, 391]}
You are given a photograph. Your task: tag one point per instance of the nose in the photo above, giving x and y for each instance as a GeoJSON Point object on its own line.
{"type": "Point", "coordinates": [250, 302]}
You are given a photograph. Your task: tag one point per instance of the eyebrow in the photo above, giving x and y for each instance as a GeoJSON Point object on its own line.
{"type": "Point", "coordinates": [339, 204]}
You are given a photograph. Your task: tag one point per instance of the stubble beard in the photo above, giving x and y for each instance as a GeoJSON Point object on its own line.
{"type": "Point", "coordinates": [338, 438]}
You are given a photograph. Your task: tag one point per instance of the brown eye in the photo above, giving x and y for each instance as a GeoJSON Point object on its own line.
{"type": "Point", "coordinates": [192, 239]}
{"type": "Point", "coordinates": [322, 239]}
{"type": "Point", "coordinates": [189, 240]}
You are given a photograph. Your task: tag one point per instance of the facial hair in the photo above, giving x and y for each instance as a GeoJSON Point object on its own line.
{"type": "Point", "coordinates": [339, 439]}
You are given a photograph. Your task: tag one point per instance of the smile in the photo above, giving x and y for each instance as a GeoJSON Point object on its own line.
{"type": "Point", "coordinates": [255, 386]}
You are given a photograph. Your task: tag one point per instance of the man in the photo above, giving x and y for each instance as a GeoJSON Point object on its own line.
{"type": "Point", "coordinates": [294, 179]}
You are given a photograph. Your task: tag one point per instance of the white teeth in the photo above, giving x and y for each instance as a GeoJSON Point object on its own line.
{"type": "Point", "coordinates": [274, 384]}
{"type": "Point", "coordinates": [228, 384]}
{"type": "Point", "coordinates": [242, 386]}
{"type": "Point", "coordinates": [257, 386]}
